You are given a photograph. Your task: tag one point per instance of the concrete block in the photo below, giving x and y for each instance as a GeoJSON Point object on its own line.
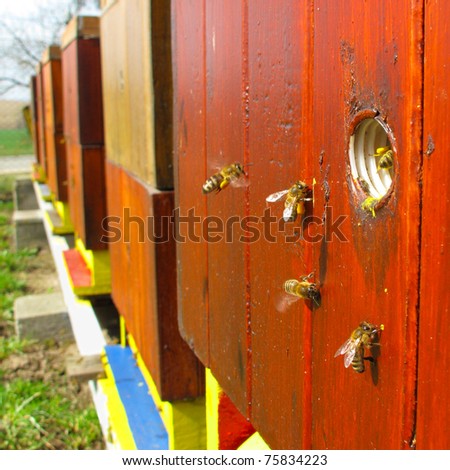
{"type": "Point", "coordinates": [42, 317]}
{"type": "Point", "coordinates": [24, 196]}
{"type": "Point", "coordinates": [29, 231]}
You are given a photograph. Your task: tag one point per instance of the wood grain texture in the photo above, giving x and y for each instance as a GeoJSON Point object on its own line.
{"type": "Point", "coordinates": [433, 411]}
{"type": "Point", "coordinates": [128, 87]}
{"type": "Point", "coordinates": [191, 172]}
{"type": "Point", "coordinates": [163, 90]}
{"type": "Point", "coordinates": [83, 107]}
{"type": "Point", "coordinates": [54, 130]}
{"type": "Point", "coordinates": [279, 117]}
{"type": "Point", "coordinates": [228, 309]}
{"type": "Point", "coordinates": [40, 116]}
{"type": "Point", "coordinates": [34, 119]}
{"type": "Point", "coordinates": [87, 193]}
{"type": "Point", "coordinates": [83, 130]}
{"type": "Point", "coordinates": [144, 283]}
{"type": "Point", "coordinates": [373, 275]}
{"type": "Point", "coordinates": [285, 93]}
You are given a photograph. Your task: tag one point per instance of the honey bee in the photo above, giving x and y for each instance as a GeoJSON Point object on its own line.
{"type": "Point", "coordinates": [364, 185]}
{"type": "Point", "coordinates": [363, 337]}
{"type": "Point", "coordinates": [369, 204]}
{"type": "Point", "coordinates": [223, 178]}
{"type": "Point", "coordinates": [386, 155]}
{"type": "Point", "coordinates": [386, 162]}
{"type": "Point", "coordinates": [294, 203]}
{"type": "Point", "coordinates": [303, 289]}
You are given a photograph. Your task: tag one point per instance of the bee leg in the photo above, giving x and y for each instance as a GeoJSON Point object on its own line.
{"type": "Point", "coordinates": [300, 208]}
{"type": "Point", "coordinates": [224, 184]}
{"type": "Point", "coordinates": [369, 358]}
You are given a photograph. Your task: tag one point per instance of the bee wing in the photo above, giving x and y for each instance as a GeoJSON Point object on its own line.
{"type": "Point", "coordinates": [344, 348]}
{"type": "Point", "coordinates": [349, 355]}
{"type": "Point", "coordinates": [239, 181]}
{"type": "Point", "coordinates": [290, 213]}
{"type": "Point", "coordinates": [283, 301]}
{"type": "Point", "coordinates": [276, 196]}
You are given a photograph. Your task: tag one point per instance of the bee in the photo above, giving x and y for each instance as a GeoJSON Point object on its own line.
{"type": "Point", "coordinates": [303, 289]}
{"type": "Point", "coordinates": [369, 204]}
{"type": "Point", "coordinates": [386, 162]}
{"type": "Point", "coordinates": [386, 156]}
{"type": "Point", "coordinates": [223, 178]}
{"type": "Point", "coordinates": [364, 185]}
{"type": "Point", "coordinates": [294, 203]}
{"type": "Point", "coordinates": [363, 337]}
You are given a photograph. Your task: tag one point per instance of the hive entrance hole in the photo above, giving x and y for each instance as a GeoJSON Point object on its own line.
{"type": "Point", "coordinates": [369, 135]}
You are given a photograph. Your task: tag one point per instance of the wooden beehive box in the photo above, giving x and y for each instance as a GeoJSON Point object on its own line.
{"type": "Point", "coordinates": [137, 88]}
{"type": "Point", "coordinates": [143, 268]}
{"type": "Point", "coordinates": [83, 128]}
{"type": "Point", "coordinates": [135, 54]}
{"type": "Point", "coordinates": [285, 87]}
{"type": "Point", "coordinates": [55, 149]}
{"type": "Point", "coordinates": [34, 117]}
{"type": "Point", "coordinates": [40, 124]}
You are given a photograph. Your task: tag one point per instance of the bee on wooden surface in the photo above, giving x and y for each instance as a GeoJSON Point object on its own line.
{"type": "Point", "coordinates": [363, 337]}
{"type": "Point", "coordinates": [294, 203]}
{"type": "Point", "coordinates": [293, 290]}
{"type": "Point", "coordinates": [369, 204]}
{"type": "Point", "coordinates": [303, 289]}
{"type": "Point", "coordinates": [223, 178]}
{"type": "Point", "coordinates": [386, 155]}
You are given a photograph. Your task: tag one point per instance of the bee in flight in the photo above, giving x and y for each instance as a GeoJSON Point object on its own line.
{"type": "Point", "coordinates": [363, 337]}
{"type": "Point", "coordinates": [223, 178]}
{"type": "Point", "coordinates": [386, 158]}
{"type": "Point", "coordinates": [294, 203]}
{"type": "Point", "coordinates": [303, 289]}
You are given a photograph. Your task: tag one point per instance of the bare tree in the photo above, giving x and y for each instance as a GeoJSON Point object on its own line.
{"type": "Point", "coordinates": [22, 40]}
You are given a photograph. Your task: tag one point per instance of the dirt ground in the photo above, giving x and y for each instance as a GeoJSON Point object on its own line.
{"type": "Point", "coordinates": [45, 361]}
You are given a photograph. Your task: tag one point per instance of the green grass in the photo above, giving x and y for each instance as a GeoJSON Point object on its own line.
{"type": "Point", "coordinates": [11, 263]}
{"type": "Point", "coordinates": [34, 416]}
{"type": "Point", "coordinates": [15, 142]}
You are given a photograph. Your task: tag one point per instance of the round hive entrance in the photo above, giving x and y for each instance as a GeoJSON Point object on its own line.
{"type": "Point", "coordinates": [372, 157]}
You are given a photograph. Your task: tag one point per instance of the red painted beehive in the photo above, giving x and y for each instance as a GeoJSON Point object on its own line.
{"type": "Point", "coordinates": [83, 129]}
{"type": "Point", "coordinates": [311, 94]}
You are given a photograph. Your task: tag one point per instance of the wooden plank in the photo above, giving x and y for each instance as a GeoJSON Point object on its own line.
{"type": "Point", "coordinates": [190, 172]}
{"type": "Point", "coordinates": [163, 90]}
{"type": "Point", "coordinates": [94, 186]}
{"type": "Point", "coordinates": [128, 85]}
{"type": "Point", "coordinates": [145, 257]}
{"type": "Point", "coordinates": [116, 109]}
{"type": "Point", "coordinates": [54, 134]}
{"type": "Point", "coordinates": [225, 144]}
{"type": "Point", "coordinates": [81, 27]}
{"type": "Point", "coordinates": [40, 119]}
{"type": "Point", "coordinates": [366, 56]}
{"type": "Point", "coordinates": [434, 351]}
{"type": "Point", "coordinates": [76, 187]}
{"type": "Point", "coordinates": [279, 141]}
{"type": "Point", "coordinates": [82, 89]}
{"type": "Point", "coordinates": [117, 189]}
{"type": "Point", "coordinates": [87, 193]}
{"type": "Point", "coordinates": [34, 118]}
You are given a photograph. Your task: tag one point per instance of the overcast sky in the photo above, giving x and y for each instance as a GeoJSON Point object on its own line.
{"type": "Point", "coordinates": [25, 17]}
{"type": "Point", "coordinates": [19, 8]}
